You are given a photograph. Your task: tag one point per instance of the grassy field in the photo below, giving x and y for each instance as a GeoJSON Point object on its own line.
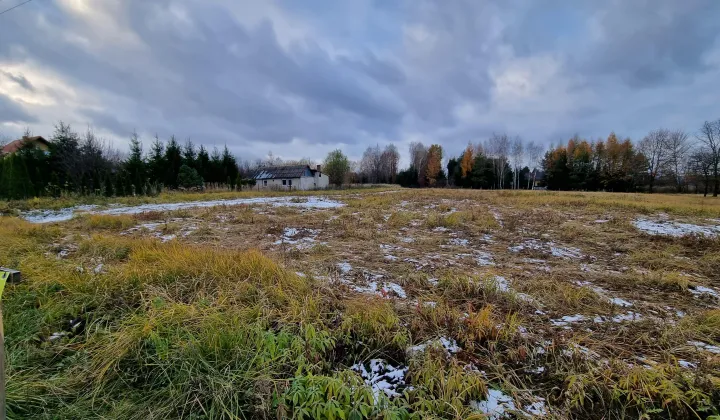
{"type": "Point", "coordinates": [400, 304]}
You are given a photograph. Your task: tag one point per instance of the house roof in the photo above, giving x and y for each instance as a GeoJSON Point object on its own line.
{"type": "Point", "coordinates": [18, 144]}
{"type": "Point", "coordinates": [274, 172]}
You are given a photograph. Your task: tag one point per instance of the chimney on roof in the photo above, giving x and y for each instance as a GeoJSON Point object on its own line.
{"type": "Point", "coordinates": [318, 168]}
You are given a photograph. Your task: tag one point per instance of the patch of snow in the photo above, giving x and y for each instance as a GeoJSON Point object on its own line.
{"type": "Point", "coordinates": [629, 316]}
{"type": "Point", "coordinates": [300, 274]}
{"type": "Point", "coordinates": [433, 281]}
{"type": "Point", "coordinates": [383, 289]}
{"type": "Point", "coordinates": [620, 302]}
{"type": "Point", "coordinates": [537, 408]}
{"type": "Point", "coordinates": [698, 290]}
{"type": "Point", "coordinates": [686, 364]}
{"type": "Point", "coordinates": [58, 335]}
{"type": "Point", "coordinates": [307, 241]}
{"type": "Point", "coordinates": [167, 238]}
{"type": "Point", "coordinates": [501, 284]}
{"type": "Point", "coordinates": [407, 239]}
{"type": "Point", "coordinates": [440, 229]}
{"type": "Point", "coordinates": [673, 228]}
{"type": "Point", "coordinates": [601, 221]}
{"type": "Point", "coordinates": [705, 346]}
{"type": "Point", "coordinates": [567, 319]}
{"type": "Point", "coordinates": [48, 216]}
{"type": "Point", "coordinates": [564, 252]}
{"type": "Point", "coordinates": [382, 377]}
{"type": "Point", "coordinates": [497, 217]}
{"type": "Point", "coordinates": [604, 294]}
{"type": "Point", "coordinates": [98, 269]}
{"type": "Point", "coordinates": [495, 406]}
{"type": "Point", "coordinates": [447, 344]}
{"type": "Point", "coordinates": [391, 257]}
{"type": "Point", "coordinates": [539, 369]}
{"type": "Point", "coordinates": [548, 248]}
{"type": "Point", "coordinates": [483, 258]}
{"type": "Point", "coordinates": [344, 266]}
{"type": "Point", "coordinates": [458, 242]}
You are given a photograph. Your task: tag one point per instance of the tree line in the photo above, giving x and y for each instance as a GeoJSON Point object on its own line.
{"type": "Point", "coordinates": [86, 165]}
{"type": "Point", "coordinates": [669, 159]}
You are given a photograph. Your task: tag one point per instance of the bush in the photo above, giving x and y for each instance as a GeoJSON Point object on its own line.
{"type": "Point", "coordinates": [189, 178]}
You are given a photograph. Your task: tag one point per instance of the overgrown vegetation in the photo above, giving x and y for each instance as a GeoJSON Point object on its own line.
{"type": "Point", "coordinates": [428, 287]}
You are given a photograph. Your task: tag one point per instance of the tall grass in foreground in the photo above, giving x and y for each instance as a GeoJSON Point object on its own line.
{"type": "Point", "coordinates": [191, 331]}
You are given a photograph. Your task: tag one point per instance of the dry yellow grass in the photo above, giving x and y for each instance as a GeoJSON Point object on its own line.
{"type": "Point", "coordinates": [551, 295]}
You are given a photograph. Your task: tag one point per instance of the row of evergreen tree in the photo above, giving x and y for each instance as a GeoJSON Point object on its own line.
{"type": "Point", "coordinates": [85, 165]}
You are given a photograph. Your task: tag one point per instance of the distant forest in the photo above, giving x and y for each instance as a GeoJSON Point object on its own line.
{"type": "Point", "coordinates": [664, 160]}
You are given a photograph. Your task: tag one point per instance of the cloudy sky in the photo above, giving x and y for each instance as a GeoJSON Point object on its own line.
{"type": "Point", "coordinates": [300, 78]}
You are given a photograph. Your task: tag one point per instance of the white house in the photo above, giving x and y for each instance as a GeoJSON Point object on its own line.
{"type": "Point", "coordinates": [296, 177]}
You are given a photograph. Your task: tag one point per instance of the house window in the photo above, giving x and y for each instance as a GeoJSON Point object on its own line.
{"type": "Point", "coordinates": [265, 183]}
{"type": "Point", "coordinates": [284, 181]}
{"type": "Point", "coordinates": [290, 182]}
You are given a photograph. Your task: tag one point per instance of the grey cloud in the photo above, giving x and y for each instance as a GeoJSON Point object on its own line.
{"type": "Point", "coordinates": [219, 81]}
{"type": "Point", "coordinates": [648, 42]}
{"type": "Point", "coordinates": [20, 80]}
{"type": "Point", "coordinates": [10, 111]}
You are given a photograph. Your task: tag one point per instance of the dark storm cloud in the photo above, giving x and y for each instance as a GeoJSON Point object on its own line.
{"type": "Point", "coordinates": [356, 74]}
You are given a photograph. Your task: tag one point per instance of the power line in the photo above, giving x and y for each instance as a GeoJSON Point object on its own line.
{"type": "Point", "coordinates": [15, 7]}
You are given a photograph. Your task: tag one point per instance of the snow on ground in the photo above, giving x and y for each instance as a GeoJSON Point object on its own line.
{"type": "Point", "coordinates": [495, 406]}
{"type": "Point", "coordinates": [382, 288]}
{"type": "Point", "coordinates": [344, 266]}
{"type": "Point", "coordinates": [702, 290]}
{"type": "Point", "coordinates": [155, 229]}
{"type": "Point", "coordinates": [499, 405]}
{"type": "Point", "coordinates": [483, 258]}
{"type": "Point", "coordinates": [447, 344]}
{"type": "Point", "coordinates": [48, 216]}
{"type": "Point", "coordinates": [458, 242]}
{"type": "Point", "coordinates": [674, 228]}
{"type": "Point", "coordinates": [301, 238]}
{"type": "Point", "coordinates": [605, 294]}
{"type": "Point", "coordinates": [547, 248]}
{"type": "Point", "coordinates": [705, 346]}
{"type": "Point", "coordinates": [567, 320]}
{"type": "Point", "coordinates": [620, 302]}
{"type": "Point", "coordinates": [382, 377]}
{"type": "Point", "coordinates": [629, 316]}
{"type": "Point", "coordinates": [686, 364]}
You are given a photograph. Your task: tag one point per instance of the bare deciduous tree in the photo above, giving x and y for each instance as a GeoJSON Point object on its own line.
{"type": "Point", "coordinates": [709, 136]}
{"type": "Point", "coordinates": [371, 163]}
{"type": "Point", "coordinates": [677, 149]}
{"type": "Point", "coordinates": [390, 161]}
{"type": "Point", "coordinates": [653, 146]}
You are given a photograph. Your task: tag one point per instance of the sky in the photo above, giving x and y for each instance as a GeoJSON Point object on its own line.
{"type": "Point", "coordinates": [301, 78]}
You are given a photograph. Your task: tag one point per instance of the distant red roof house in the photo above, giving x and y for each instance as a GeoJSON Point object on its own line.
{"type": "Point", "coordinates": [14, 146]}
